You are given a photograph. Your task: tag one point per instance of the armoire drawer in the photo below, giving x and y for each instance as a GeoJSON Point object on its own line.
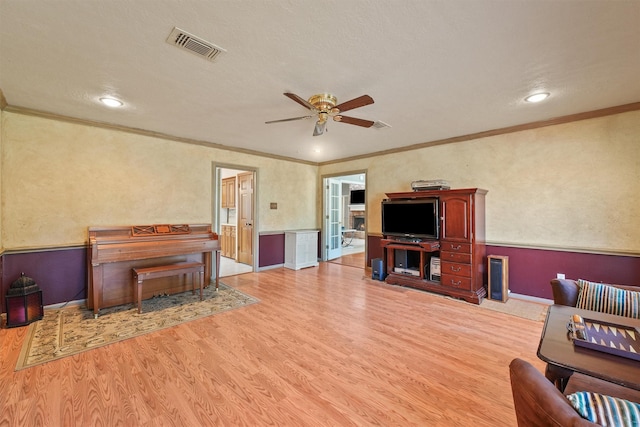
{"type": "Point", "coordinates": [455, 269]}
{"type": "Point", "coordinates": [455, 257]}
{"type": "Point", "coordinates": [447, 246]}
{"type": "Point", "coordinates": [456, 281]}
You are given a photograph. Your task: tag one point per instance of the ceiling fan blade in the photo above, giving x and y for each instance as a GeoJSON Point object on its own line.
{"type": "Point", "coordinates": [354, 121]}
{"type": "Point", "coordinates": [289, 120]}
{"type": "Point", "coordinates": [319, 129]}
{"type": "Point", "coordinates": [299, 100]}
{"type": "Point", "coordinates": [361, 101]}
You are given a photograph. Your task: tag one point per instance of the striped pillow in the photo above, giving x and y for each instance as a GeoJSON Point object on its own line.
{"type": "Point", "coordinates": [605, 410]}
{"type": "Point", "coordinates": [608, 299]}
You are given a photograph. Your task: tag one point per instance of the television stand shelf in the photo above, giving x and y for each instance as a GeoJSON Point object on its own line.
{"type": "Point", "coordinates": [426, 246]}
{"type": "Point", "coordinates": [460, 247]}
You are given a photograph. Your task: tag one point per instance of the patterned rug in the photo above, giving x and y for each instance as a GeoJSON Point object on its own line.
{"type": "Point", "coordinates": [72, 330]}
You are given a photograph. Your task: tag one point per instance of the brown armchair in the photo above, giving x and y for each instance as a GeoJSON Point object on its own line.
{"type": "Point", "coordinates": [565, 291]}
{"type": "Point", "coordinates": [539, 403]}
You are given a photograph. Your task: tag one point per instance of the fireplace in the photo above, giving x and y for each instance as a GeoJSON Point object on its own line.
{"type": "Point", "coordinates": [357, 222]}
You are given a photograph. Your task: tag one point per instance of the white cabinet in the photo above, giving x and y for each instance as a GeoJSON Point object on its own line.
{"type": "Point", "coordinates": [300, 249]}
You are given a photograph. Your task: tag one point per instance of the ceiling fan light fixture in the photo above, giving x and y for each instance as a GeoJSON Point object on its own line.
{"type": "Point", "coordinates": [320, 128]}
{"type": "Point", "coordinates": [325, 106]}
{"type": "Point", "coordinates": [323, 102]}
{"type": "Point", "coordinates": [537, 97]}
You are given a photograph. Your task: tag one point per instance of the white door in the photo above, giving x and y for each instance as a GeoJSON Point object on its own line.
{"type": "Point", "coordinates": [332, 218]}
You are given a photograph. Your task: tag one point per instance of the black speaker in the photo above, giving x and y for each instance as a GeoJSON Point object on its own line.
{"type": "Point", "coordinates": [377, 269]}
{"type": "Point", "coordinates": [498, 288]}
{"type": "Point", "coordinates": [400, 258]}
{"type": "Point", "coordinates": [406, 259]}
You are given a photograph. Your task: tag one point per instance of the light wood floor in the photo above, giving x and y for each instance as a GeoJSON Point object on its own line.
{"type": "Point", "coordinates": [354, 260]}
{"type": "Point", "coordinates": [326, 346]}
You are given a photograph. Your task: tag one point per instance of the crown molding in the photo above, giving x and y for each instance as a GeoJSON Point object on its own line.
{"type": "Point", "coordinates": [511, 129]}
{"type": "Point", "coordinates": [111, 126]}
{"type": "Point", "coordinates": [494, 132]}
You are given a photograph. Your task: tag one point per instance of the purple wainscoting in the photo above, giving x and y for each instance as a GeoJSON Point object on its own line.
{"type": "Point", "coordinates": [60, 274]}
{"type": "Point", "coordinates": [271, 250]}
{"type": "Point", "coordinates": [374, 249]}
{"type": "Point", "coordinates": [530, 270]}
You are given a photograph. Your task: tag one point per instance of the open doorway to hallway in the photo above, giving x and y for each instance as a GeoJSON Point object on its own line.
{"type": "Point", "coordinates": [344, 227]}
{"type": "Point", "coordinates": [234, 205]}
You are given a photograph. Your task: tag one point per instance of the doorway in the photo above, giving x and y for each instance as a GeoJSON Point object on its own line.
{"type": "Point", "coordinates": [345, 216]}
{"type": "Point", "coordinates": [234, 218]}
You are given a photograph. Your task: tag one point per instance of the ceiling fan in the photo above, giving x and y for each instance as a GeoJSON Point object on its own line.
{"type": "Point", "coordinates": [326, 105]}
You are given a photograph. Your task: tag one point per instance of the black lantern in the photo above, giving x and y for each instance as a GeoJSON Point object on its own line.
{"type": "Point", "coordinates": [24, 302]}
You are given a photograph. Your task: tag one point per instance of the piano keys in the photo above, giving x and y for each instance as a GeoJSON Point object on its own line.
{"type": "Point", "coordinates": [114, 251]}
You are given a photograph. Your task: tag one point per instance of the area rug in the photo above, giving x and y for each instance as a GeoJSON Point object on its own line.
{"type": "Point", "coordinates": [518, 307]}
{"type": "Point", "coordinates": [513, 306]}
{"type": "Point", "coordinates": [72, 330]}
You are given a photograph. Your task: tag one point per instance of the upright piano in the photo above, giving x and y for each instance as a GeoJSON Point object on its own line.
{"type": "Point", "coordinates": [114, 251]}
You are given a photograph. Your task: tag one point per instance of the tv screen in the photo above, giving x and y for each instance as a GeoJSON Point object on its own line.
{"type": "Point", "coordinates": [356, 197]}
{"type": "Point", "coordinates": [411, 218]}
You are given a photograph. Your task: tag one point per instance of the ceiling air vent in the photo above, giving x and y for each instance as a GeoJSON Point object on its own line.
{"type": "Point", "coordinates": [193, 44]}
{"type": "Point", "coordinates": [381, 125]}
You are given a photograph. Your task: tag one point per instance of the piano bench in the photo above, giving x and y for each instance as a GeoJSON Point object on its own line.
{"type": "Point", "coordinates": [147, 273]}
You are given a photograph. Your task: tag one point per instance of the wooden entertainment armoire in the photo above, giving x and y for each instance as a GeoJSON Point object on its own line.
{"type": "Point", "coordinates": [460, 247]}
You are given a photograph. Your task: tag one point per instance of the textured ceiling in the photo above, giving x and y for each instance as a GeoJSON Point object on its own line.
{"type": "Point", "coordinates": [436, 69]}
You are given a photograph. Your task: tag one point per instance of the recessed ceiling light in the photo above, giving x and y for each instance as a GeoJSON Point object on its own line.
{"type": "Point", "coordinates": [537, 97]}
{"type": "Point", "coordinates": [111, 102]}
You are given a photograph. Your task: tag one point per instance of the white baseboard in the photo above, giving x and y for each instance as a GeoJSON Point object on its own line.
{"type": "Point", "coordinates": [530, 298]}
{"type": "Point", "coordinates": [68, 303]}
{"type": "Point", "coordinates": [271, 267]}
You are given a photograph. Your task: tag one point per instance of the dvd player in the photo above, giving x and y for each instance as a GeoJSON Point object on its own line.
{"type": "Point", "coordinates": [410, 271]}
{"type": "Point", "coordinates": [433, 184]}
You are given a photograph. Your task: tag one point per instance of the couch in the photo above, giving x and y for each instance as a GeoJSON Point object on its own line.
{"type": "Point", "coordinates": [567, 292]}
{"type": "Point", "coordinates": [538, 402]}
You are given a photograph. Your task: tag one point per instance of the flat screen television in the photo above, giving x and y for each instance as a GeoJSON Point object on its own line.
{"type": "Point", "coordinates": [356, 197]}
{"type": "Point", "coordinates": [412, 219]}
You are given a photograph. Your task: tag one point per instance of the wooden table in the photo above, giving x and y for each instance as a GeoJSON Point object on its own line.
{"type": "Point", "coordinates": [563, 358]}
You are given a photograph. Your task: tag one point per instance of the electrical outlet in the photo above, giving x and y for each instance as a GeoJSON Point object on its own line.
{"type": "Point", "coordinates": [560, 276]}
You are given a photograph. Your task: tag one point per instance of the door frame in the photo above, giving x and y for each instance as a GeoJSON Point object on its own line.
{"type": "Point", "coordinates": [330, 197]}
{"type": "Point", "coordinates": [325, 233]}
{"type": "Point", "coordinates": [216, 193]}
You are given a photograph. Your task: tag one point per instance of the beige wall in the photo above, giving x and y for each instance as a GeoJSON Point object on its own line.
{"type": "Point", "coordinates": [568, 186]}
{"type": "Point", "coordinates": [571, 186]}
{"type": "Point", "coordinates": [1, 168]}
{"type": "Point", "coordinates": [58, 178]}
